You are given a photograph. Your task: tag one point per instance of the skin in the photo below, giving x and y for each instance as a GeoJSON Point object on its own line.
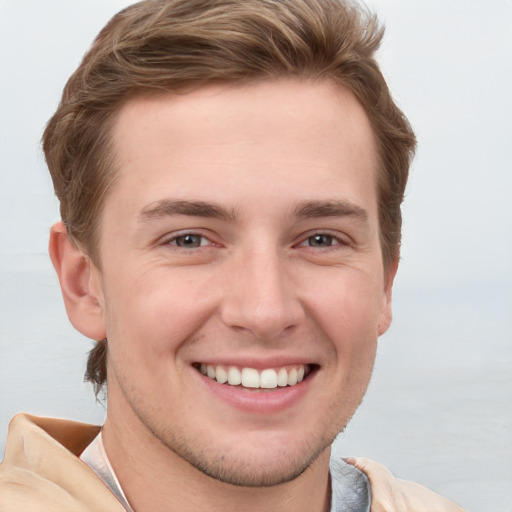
{"type": "Point", "coordinates": [285, 268]}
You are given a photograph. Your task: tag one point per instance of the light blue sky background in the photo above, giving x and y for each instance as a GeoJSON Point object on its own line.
{"type": "Point", "coordinates": [439, 409]}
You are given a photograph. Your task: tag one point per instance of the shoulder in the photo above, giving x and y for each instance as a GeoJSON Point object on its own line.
{"type": "Point", "coordinates": [389, 494]}
{"type": "Point", "coordinates": [41, 470]}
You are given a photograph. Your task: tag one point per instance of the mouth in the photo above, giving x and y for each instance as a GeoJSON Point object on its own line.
{"type": "Point", "coordinates": [251, 378]}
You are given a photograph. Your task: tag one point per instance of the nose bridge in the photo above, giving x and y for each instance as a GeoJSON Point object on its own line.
{"type": "Point", "coordinates": [261, 295]}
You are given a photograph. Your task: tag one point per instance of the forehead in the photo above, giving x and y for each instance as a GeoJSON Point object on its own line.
{"type": "Point", "coordinates": [251, 107]}
{"type": "Point", "coordinates": [301, 136]}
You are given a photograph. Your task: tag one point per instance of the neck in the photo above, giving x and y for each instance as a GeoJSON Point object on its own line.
{"type": "Point", "coordinates": [155, 478]}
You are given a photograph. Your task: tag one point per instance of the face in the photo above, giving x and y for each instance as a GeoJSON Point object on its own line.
{"type": "Point", "coordinates": [241, 285]}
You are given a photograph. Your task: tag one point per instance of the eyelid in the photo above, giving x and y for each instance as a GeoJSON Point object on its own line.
{"type": "Point", "coordinates": [340, 238]}
{"type": "Point", "coordinates": [172, 237]}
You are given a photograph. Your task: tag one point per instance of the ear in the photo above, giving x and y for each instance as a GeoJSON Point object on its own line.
{"type": "Point", "coordinates": [386, 314]}
{"type": "Point", "coordinates": [80, 282]}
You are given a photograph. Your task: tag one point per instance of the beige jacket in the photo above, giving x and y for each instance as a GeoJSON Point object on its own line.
{"type": "Point", "coordinates": [41, 472]}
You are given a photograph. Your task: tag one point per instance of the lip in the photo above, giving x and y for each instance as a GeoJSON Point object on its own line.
{"type": "Point", "coordinates": [257, 363]}
{"type": "Point", "coordinates": [258, 401]}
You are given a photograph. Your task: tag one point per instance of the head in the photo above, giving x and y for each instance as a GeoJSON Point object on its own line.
{"type": "Point", "coordinates": [177, 48]}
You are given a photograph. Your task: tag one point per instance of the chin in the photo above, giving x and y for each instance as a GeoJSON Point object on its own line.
{"type": "Point", "coordinates": [265, 462]}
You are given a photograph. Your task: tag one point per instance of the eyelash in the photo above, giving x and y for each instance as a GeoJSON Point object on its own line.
{"type": "Point", "coordinates": [174, 240]}
{"type": "Point", "coordinates": [334, 241]}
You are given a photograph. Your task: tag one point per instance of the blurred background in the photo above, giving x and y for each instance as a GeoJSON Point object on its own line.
{"type": "Point", "coordinates": [439, 408]}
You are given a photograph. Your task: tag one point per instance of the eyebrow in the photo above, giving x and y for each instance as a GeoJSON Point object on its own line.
{"type": "Point", "coordinates": [304, 210]}
{"type": "Point", "coordinates": [167, 207]}
{"type": "Point", "coordinates": [331, 208]}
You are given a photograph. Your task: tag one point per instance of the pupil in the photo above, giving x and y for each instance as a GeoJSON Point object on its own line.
{"type": "Point", "coordinates": [188, 241]}
{"type": "Point", "coordinates": [321, 241]}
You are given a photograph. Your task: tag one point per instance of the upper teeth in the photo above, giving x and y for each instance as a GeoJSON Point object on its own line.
{"type": "Point", "coordinates": [251, 378]}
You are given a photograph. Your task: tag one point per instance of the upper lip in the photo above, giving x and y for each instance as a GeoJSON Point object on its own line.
{"type": "Point", "coordinates": [256, 363]}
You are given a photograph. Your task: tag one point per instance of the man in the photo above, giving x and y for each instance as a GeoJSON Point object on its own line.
{"type": "Point", "coordinates": [230, 175]}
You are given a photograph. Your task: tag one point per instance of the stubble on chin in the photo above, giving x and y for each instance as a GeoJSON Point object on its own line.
{"type": "Point", "coordinates": [251, 468]}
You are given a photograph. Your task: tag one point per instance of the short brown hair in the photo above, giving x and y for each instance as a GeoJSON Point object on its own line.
{"type": "Point", "coordinates": [171, 46]}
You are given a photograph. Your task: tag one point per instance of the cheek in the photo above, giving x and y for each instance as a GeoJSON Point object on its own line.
{"type": "Point", "coordinates": [350, 308]}
{"type": "Point", "coordinates": [348, 315]}
{"type": "Point", "coordinates": [151, 317]}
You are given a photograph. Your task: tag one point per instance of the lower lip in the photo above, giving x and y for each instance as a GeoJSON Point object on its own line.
{"type": "Point", "coordinates": [259, 400]}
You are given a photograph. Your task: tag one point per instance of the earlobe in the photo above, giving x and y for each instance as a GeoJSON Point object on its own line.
{"type": "Point", "coordinates": [79, 283]}
{"type": "Point", "coordinates": [387, 310]}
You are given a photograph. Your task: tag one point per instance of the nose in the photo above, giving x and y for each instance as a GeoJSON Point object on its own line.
{"type": "Point", "coordinates": [261, 296]}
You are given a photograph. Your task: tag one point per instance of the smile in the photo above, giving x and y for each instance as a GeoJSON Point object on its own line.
{"type": "Point", "coordinates": [269, 378]}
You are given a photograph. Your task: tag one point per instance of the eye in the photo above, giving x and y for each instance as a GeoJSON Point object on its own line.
{"type": "Point", "coordinates": [320, 240]}
{"type": "Point", "coordinates": [189, 241]}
